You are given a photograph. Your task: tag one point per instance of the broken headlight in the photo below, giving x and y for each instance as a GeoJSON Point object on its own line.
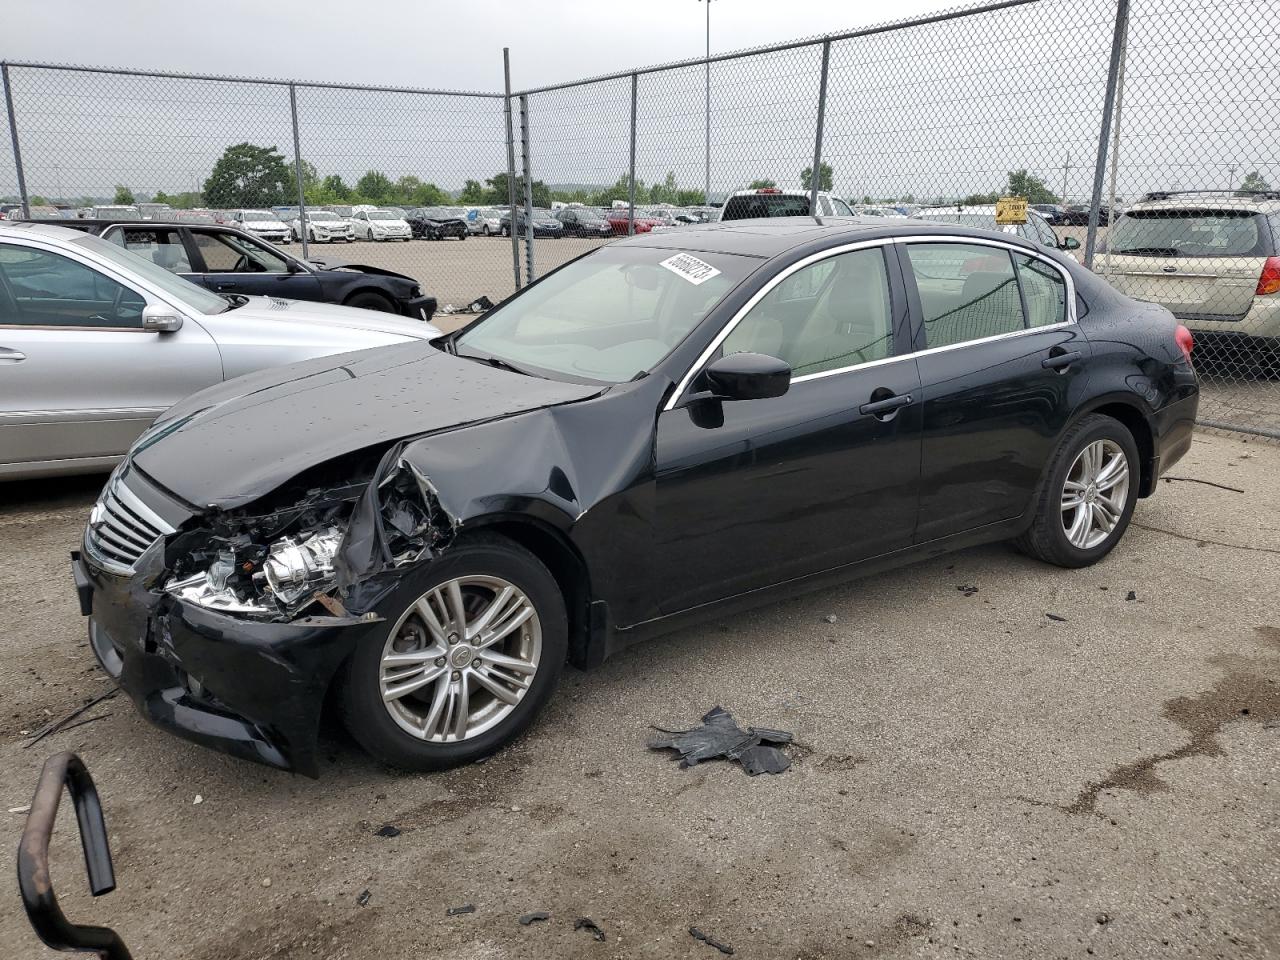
{"type": "Point", "coordinates": [293, 570]}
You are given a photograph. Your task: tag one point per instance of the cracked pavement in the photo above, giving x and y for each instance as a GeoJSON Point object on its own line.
{"type": "Point", "coordinates": [970, 777]}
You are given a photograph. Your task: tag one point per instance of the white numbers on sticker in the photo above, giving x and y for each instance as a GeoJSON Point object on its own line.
{"type": "Point", "coordinates": [691, 268]}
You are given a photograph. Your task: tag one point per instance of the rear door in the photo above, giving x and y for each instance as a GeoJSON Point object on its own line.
{"type": "Point", "coordinates": [79, 376]}
{"type": "Point", "coordinates": [166, 246]}
{"type": "Point", "coordinates": [233, 263]}
{"type": "Point", "coordinates": [1002, 364]}
{"type": "Point", "coordinates": [1200, 264]}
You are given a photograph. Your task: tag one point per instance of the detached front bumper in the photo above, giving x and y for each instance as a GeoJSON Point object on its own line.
{"type": "Point", "coordinates": [252, 689]}
{"type": "Point", "coordinates": [421, 307]}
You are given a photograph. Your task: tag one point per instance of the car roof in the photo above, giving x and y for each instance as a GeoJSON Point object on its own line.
{"type": "Point", "coordinates": [1256, 203]}
{"type": "Point", "coordinates": [42, 228]}
{"type": "Point", "coordinates": [777, 235]}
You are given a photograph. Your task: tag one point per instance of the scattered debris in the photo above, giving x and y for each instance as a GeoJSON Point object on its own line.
{"type": "Point", "coordinates": [1207, 483]}
{"type": "Point", "coordinates": [25, 809]}
{"type": "Point", "coordinates": [66, 721]}
{"type": "Point", "coordinates": [266, 881]}
{"type": "Point", "coordinates": [711, 941]}
{"type": "Point", "coordinates": [967, 589]}
{"type": "Point", "coordinates": [1103, 919]}
{"type": "Point", "coordinates": [537, 915]}
{"type": "Point", "coordinates": [831, 618]}
{"type": "Point", "coordinates": [1131, 595]}
{"type": "Point", "coordinates": [1056, 618]}
{"type": "Point", "coordinates": [720, 736]}
{"type": "Point", "coordinates": [387, 830]}
{"type": "Point", "coordinates": [459, 911]}
{"type": "Point", "coordinates": [199, 799]}
{"type": "Point", "coordinates": [586, 923]}
{"type": "Point", "coordinates": [364, 898]}
{"type": "Point", "coordinates": [480, 304]}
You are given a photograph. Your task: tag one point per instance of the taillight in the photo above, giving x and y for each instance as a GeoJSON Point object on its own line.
{"type": "Point", "coordinates": [1269, 282]}
{"type": "Point", "coordinates": [1186, 342]}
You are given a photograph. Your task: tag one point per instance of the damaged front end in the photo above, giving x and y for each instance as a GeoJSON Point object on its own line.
{"type": "Point", "coordinates": [282, 563]}
{"type": "Point", "coordinates": [229, 630]}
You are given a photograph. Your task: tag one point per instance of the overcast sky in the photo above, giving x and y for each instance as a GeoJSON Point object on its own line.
{"type": "Point", "coordinates": [421, 43]}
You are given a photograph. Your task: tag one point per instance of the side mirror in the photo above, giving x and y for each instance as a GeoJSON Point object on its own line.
{"type": "Point", "coordinates": [748, 376]}
{"type": "Point", "coordinates": [1071, 243]}
{"type": "Point", "coordinates": [160, 318]}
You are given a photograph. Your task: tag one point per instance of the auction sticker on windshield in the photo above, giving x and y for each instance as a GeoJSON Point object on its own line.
{"type": "Point", "coordinates": [691, 268]}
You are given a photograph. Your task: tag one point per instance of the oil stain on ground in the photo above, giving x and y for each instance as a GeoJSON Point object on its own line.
{"type": "Point", "coordinates": [1248, 691]}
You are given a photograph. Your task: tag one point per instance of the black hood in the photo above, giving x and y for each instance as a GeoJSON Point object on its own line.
{"type": "Point", "coordinates": [244, 438]}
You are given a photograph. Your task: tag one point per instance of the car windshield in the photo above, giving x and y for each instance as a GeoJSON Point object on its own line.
{"type": "Point", "coordinates": [436, 213]}
{"type": "Point", "coordinates": [197, 298]}
{"type": "Point", "coordinates": [540, 212]}
{"type": "Point", "coordinates": [754, 205]}
{"type": "Point", "coordinates": [609, 316]}
{"type": "Point", "coordinates": [382, 215]}
{"type": "Point", "coordinates": [253, 215]}
{"type": "Point", "coordinates": [1190, 233]}
{"type": "Point", "coordinates": [321, 215]}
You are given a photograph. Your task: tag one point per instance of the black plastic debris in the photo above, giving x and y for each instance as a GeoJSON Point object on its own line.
{"type": "Point", "coordinates": [459, 911]}
{"type": "Point", "coordinates": [586, 923]}
{"type": "Point", "coordinates": [480, 304]}
{"type": "Point", "coordinates": [711, 941]}
{"type": "Point", "coordinates": [1131, 595]}
{"type": "Point", "coordinates": [364, 898]}
{"type": "Point", "coordinates": [720, 736]}
{"type": "Point", "coordinates": [387, 830]}
{"type": "Point", "coordinates": [534, 917]}
{"type": "Point", "coordinates": [967, 589]}
{"type": "Point", "coordinates": [1056, 618]}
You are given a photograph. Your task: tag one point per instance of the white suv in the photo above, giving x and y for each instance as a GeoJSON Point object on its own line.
{"type": "Point", "coordinates": [774, 202]}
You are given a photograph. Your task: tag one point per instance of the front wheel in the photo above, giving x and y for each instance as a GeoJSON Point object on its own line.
{"type": "Point", "coordinates": [476, 644]}
{"type": "Point", "coordinates": [1088, 495]}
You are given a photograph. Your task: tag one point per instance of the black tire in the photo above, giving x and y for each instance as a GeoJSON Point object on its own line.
{"type": "Point", "coordinates": [368, 300]}
{"type": "Point", "coordinates": [1046, 539]}
{"type": "Point", "coordinates": [506, 231]}
{"type": "Point", "coordinates": [485, 230]}
{"type": "Point", "coordinates": [363, 711]}
{"type": "Point", "coordinates": [462, 236]}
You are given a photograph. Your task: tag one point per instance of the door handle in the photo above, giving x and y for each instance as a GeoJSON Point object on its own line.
{"type": "Point", "coordinates": [878, 408]}
{"type": "Point", "coordinates": [11, 356]}
{"type": "Point", "coordinates": [1060, 360]}
{"type": "Point", "coordinates": [226, 284]}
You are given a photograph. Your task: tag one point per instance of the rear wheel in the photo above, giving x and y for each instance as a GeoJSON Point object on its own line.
{"type": "Point", "coordinates": [1088, 495]}
{"type": "Point", "coordinates": [475, 647]}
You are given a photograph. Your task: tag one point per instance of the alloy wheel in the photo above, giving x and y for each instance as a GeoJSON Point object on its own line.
{"type": "Point", "coordinates": [1094, 494]}
{"type": "Point", "coordinates": [460, 659]}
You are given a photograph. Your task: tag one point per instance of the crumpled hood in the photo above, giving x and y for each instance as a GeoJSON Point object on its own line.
{"type": "Point", "coordinates": [248, 436]}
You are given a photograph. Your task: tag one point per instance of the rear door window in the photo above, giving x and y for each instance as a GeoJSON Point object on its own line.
{"type": "Point", "coordinates": [163, 246]}
{"type": "Point", "coordinates": [967, 292]}
{"type": "Point", "coordinates": [1191, 233]}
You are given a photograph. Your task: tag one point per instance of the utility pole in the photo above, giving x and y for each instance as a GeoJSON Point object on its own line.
{"type": "Point", "coordinates": [706, 189]}
{"type": "Point", "coordinates": [1066, 168]}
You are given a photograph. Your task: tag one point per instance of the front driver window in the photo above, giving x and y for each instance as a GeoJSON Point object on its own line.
{"type": "Point", "coordinates": [832, 314]}
{"type": "Point", "coordinates": [52, 290]}
{"type": "Point", "coordinates": [226, 253]}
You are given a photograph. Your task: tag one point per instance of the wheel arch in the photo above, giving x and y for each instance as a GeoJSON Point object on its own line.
{"type": "Point", "coordinates": [1136, 418]}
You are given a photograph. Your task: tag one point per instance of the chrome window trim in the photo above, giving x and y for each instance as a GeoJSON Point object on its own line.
{"type": "Point", "coordinates": [764, 291]}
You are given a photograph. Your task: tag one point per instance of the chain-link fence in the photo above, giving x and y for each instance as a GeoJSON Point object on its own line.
{"type": "Point", "coordinates": [1155, 114]}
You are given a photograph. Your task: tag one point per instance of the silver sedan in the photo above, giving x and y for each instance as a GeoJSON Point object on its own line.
{"type": "Point", "coordinates": [96, 342]}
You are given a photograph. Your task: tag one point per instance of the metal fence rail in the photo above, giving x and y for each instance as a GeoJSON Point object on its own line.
{"type": "Point", "coordinates": [1093, 103]}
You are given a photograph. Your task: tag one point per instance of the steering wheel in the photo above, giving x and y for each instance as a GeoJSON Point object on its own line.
{"type": "Point", "coordinates": [242, 264]}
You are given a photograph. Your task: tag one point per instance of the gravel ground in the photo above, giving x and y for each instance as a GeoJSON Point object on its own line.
{"type": "Point", "coordinates": [971, 777]}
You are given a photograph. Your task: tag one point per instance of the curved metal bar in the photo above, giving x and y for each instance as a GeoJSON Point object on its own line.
{"type": "Point", "coordinates": [47, 919]}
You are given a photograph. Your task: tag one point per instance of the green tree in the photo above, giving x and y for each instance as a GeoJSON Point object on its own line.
{"type": "Point", "coordinates": [310, 178]}
{"type": "Point", "coordinates": [247, 175]}
{"type": "Point", "coordinates": [498, 191]}
{"type": "Point", "coordinates": [666, 191]}
{"type": "Point", "coordinates": [333, 189]}
{"type": "Point", "coordinates": [621, 190]}
{"type": "Point", "coordinates": [826, 177]}
{"type": "Point", "coordinates": [472, 192]}
{"type": "Point", "coordinates": [123, 195]}
{"type": "Point", "coordinates": [762, 185]}
{"type": "Point", "coordinates": [980, 199]}
{"type": "Point", "coordinates": [376, 187]}
{"type": "Point", "coordinates": [690, 198]}
{"type": "Point", "coordinates": [37, 201]}
{"type": "Point", "coordinates": [1024, 184]}
{"type": "Point", "coordinates": [1253, 182]}
{"type": "Point", "coordinates": [413, 192]}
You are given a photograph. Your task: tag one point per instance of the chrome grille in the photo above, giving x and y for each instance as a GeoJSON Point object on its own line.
{"type": "Point", "coordinates": [122, 528]}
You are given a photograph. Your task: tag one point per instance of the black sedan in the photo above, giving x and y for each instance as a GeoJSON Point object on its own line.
{"type": "Point", "coordinates": [583, 222]}
{"type": "Point", "coordinates": [544, 223]}
{"type": "Point", "coordinates": [230, 261]}
{"type": "Point", "coordinates": [436, 223]}
{"type": "Point", "coordinates": [668, 428]}
{"type": "Point", "coordinates": [1077, 215]}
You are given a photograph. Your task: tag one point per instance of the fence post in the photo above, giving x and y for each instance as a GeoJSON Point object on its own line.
{"type": "Point", "coordinates": [297, 169]}
{"type": "Point", "coordinates": [511, 170]}
{"type": "Point", "coordinates": [631, 186]}
{"type": "Point", "coordinates": [815, 177]}
{"type": "Point", "coordinates": [1104, 134]}
{"type": "Point", "coordinates": [17, 152]}
{"type": "Point", "coordinates": [528, 188]}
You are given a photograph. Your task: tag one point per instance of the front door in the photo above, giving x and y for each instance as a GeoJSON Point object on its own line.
{"type": "Point", "coordinates": [752, 493]}
{"type": "Point", "coordinates": [245, 265]}
{"type": "Point", "coordinates": [1001, 369]}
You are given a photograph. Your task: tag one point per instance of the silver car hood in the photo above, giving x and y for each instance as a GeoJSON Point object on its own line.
{"type": "Point", "coordinates": [326, 315]}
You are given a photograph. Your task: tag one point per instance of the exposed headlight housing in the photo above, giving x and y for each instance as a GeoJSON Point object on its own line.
{"type": "Point", "coordinates": [296, 566]}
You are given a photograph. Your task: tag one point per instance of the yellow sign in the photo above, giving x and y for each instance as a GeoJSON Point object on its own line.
{"type": "Point", "coordinates": [1011, 210]}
